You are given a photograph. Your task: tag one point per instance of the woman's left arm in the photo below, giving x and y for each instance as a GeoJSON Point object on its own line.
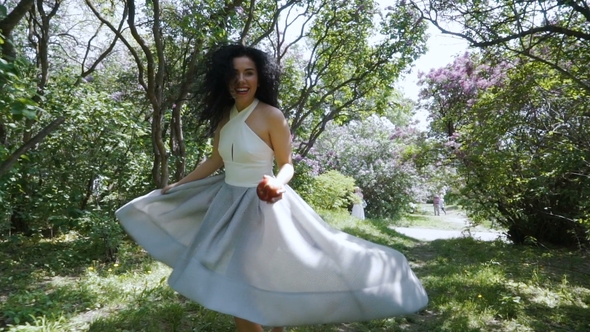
{"type": "Point", "coordinates": [280, 137]}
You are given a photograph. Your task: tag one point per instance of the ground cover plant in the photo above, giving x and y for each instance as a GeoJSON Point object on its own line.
{"type": "Point", "coordinates": [59, 285]}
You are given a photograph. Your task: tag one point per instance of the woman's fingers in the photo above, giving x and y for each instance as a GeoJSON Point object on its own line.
{"type": "Point", "coordinates": [275, 198]}
{"type": "Point", "coordinates": [270, 189]}
{"type": "Point", "coordinates": [167, 188]}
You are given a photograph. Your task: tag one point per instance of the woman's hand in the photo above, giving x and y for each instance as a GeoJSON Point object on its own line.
{"type": "Point", "coordinates": [270, 189]}
{"type": "Point", "coordinates": [168, 187]}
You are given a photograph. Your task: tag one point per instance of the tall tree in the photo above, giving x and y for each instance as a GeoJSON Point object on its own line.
{"type": "Point", "coordinates": [8, 22]}
{"type": "Point", "coordinates": [348, 54]}
{"type": "Point", "coordinates": [22, 105]}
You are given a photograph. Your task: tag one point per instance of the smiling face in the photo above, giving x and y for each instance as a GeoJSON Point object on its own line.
{"type": "Point", "coordinates": [243, 85]}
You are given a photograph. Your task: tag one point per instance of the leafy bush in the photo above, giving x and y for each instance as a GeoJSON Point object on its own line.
{"type": "Point", "coordinates": [16, 103]}
{"type": "Point", "coordinates": [103, 233]}
{"type": "Point", "coordinates": [519, 138]}
{"type": "Point", "coordinates": [98, 159]}
{"type": "Point", "coordinates": [303, 179]}
{"type": "Point", "coordinates": [332, 191]}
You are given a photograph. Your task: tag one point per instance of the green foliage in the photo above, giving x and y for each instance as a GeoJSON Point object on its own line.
{"type": "Point", "coordinates": [3, 13]}
{"type": "Point", "coordinates": [524, 147]}
{"type": "Point", "coordinates": [96, 160]}
{"type": "Point", "coordinates": [521, 150]}
{"type": "Point", "coordinates": [356, 50]}
{"type": "Point", "coordinates": [540, 163]}
{"type": "Point", "coordinates": [16, 100]}
{"type": "Point", "coordinates": [303, 180]}
{"type": "Point", "coordinates": [378, 155]}
{"type": "Point", "coordinates": [103, 234]}
{"type": "Point", "coordinates": [332, 191]}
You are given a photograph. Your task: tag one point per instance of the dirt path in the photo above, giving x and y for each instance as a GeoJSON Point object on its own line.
{"type": "Point", "coordinates": [429, 230]}
{"type": "Point", "coordinates": [425, 234]}
{"type": "Point", "coordinates": [452, 215]}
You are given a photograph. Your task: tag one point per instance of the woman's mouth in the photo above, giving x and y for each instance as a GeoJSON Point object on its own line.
{"type": "Point", "coordinates": [242, 91]}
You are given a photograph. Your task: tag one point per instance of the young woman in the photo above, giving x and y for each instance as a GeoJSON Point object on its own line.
{"type": "Point", "coordinates": [271, 262]}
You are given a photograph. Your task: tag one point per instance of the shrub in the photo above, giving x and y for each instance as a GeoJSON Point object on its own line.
{"type": "Point", "coordinates": [103, 233]}
{"type": "Point", "coordinates": [332, 191]}
{"type": "Point", "coordinates": [303, 180]}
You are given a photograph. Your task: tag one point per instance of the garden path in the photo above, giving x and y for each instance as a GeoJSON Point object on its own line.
{"type": "Point", "coordinates": [453, 216]}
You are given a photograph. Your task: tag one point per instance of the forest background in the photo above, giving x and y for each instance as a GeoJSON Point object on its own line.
{"type": "Point", "coordinates": [98, 106]}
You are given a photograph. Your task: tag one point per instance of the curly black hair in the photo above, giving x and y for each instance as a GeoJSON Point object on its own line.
{"type": "Point", "coordinates": [217, 100]}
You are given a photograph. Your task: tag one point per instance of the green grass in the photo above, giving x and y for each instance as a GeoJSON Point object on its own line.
{"type": "Point", "coordinates": [473, 286]}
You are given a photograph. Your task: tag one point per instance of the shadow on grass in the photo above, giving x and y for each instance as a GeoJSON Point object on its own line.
{"type": "Point", "coordinates": [22, 305]}
{"type": "Point", "coordinates": [381, 233]}
{"type": "Point", "coordinates": [160, 309]}
{"type": "Point", "coordinates": [40, 278]}
{"type": "Point", "coordinates": [481, 286]}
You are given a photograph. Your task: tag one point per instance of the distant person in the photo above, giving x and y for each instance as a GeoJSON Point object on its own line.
{"type": "Point", "coordinates": [441, 203]}
{"type": "Point", "coordinates": [358, 209]}
{"type": "Point", "coordinates": [413, 207]}
{"type": "Point", "coordinates": [436, 205]}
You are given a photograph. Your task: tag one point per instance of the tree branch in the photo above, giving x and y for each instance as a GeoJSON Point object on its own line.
{"type": "Point", "coordinates": [244, 33]}
{"type": "Point", "coordinates": [585, 11]}
{"type": "Point", "coordinates": [104, 54]}
{"type": "Point", "coordinates": [151, 88]}
{"type": "Point", "coordinates": [11, 160]}
{"type": "Point", "coordinates": [275, 19]}
{"type": "Point", "coordinates": [118, 33]}
{"type": "Point", "coordinates": [15, 16]}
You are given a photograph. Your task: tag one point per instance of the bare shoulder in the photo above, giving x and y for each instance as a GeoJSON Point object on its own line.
{"type": "Point", "coordinates": [271, 113]}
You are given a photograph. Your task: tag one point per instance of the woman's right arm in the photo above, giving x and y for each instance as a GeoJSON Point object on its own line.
{"type": "Point", "coordinates": [208, 167]}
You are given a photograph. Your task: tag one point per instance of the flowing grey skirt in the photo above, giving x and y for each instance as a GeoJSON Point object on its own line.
{"type": "Point", "coordinates": [273, 264]}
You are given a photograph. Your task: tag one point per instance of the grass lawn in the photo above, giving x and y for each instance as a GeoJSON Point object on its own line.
{"type": "Point", "coordinates": [61, 286]}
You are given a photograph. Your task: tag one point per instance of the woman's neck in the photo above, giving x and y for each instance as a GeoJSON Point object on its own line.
{"type": "Point", "coordinates": [242, 105]}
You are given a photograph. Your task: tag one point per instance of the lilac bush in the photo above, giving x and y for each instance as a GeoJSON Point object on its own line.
{"type": "Point", "coordinates": [518, 137]}
{"type": "Point", "coordinates": [377, 155]}
{"type": "Point", "coordinates": [449, 92]}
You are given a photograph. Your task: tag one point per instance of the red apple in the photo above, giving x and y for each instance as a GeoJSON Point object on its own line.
{"type": "Point", "coordinates": [267, 190]}
{"type": "Point", "coordinates": [261, 190]}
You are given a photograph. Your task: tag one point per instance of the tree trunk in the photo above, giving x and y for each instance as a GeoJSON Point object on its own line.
{"type": "Point", "coordinates": [177, 143]}
{"type": "Point", "coordinates": [160, 166]}
{"type": "Point", "coordinates": [9, 23]}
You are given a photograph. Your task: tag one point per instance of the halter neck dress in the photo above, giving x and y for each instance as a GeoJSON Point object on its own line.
{"type": "Point", "coordinates": [273, 264]}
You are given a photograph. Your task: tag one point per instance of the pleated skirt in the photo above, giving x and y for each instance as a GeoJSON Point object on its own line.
{"type": "Point", "coordinates": [273, 264]}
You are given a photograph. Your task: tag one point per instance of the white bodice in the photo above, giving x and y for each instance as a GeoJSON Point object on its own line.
{"type": "Point", "coordinates": [245, 155]}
